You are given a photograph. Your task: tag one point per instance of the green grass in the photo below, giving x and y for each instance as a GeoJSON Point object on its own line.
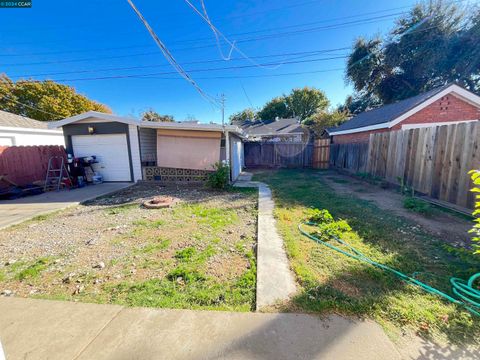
{"type": "Point", "coordinates": [155, 246]}
{"type": "Point", "coordinates": [187, 287]}
{"type": "Point", "coordinates": [331, 282]}
{"type": "Point", "coordinates": [32, 270]}
{"type": "Point", "coordinates": [216, 218]}
{"type": "Point", "coordinates": [115, 210]}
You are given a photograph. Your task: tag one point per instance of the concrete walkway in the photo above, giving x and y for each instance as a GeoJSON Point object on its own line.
{"type": "Point", "coordinates": [16, 211]}
{"type": "Point", "coordinates": [42, 329]}
{"type": "Point", "coordinates": [275, 282]}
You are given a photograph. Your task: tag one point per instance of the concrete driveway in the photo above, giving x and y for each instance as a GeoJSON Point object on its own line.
{"type": "Point", "coordinates": [16, 211]}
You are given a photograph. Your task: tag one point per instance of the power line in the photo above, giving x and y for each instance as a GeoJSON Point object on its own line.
{"type": "Point", "coordinates": [198, 70]}
{"type": "Point", "coordinates": [282, 34]}
{"type": "Point", "coordinates": [300, 54]}
{"type": "Point", "coordinates": [170, 57]}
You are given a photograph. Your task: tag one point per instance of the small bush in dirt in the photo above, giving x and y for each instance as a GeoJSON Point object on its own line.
{"type": "Point", "coordinates": [219, 179]}
{"type": "Point", "coordinates": [417, 205]}
{"type": "Point", "coordinates": [319, 216]}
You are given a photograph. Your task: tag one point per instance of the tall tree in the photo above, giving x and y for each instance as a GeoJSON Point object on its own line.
{"type": "Point", "coordinates": [277, 107]}
{"type": "Point", "coordinates": [434, 44]}
{"type": "Point", "coordinates": [243, 117]}
{"type": "Point", "coordinates": [306, 101]}
{"type": "Point", "coordinates": [152, 115]}
{"type": "Point", "coordinates": [44, 100]}
{"type": "Point", "coordinates": [318, 122]}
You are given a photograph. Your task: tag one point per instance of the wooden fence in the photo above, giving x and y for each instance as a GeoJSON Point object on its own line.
{"type": "Point", "coordinates": [277, 155]}
{"type": "Point", "coordinates": [352, 157]}
{"type": "Point", "coordinates": [321, 154]}
{"type": "Point", "coordinates": [433, 160]}
{"type": "Point", "coordinates": [23, 165]}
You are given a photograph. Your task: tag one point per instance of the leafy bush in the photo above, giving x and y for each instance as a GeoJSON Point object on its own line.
{"type": "Point", "coordinates": [326, 225]}
{"type": "Point", "coordinates": [220, 178]}
{"type": "Point", "coordinates": [475, 174]}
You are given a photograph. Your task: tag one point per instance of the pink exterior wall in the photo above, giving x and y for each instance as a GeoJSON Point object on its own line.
{"type": "Point", "coordinates": [198, 153]}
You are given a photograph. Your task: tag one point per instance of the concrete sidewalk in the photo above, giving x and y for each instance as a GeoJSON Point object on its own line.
{"type": "Point", "coordinates": [275, 281]}
{"type": "Point", "coordinates": [42, 329]}
{"type": "Point", "coordinates": [16, 211]}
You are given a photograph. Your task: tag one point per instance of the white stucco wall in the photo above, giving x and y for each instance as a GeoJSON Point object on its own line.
{"type": "Point", "coordinates": [30, 137]}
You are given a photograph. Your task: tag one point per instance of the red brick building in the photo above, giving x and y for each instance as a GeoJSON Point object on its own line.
{"type": "Point", "coordinates": [440, 106]}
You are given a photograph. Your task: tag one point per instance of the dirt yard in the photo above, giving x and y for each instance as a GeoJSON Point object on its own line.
{"type": "Point", "coordinates": [197, 254]}
{"type": "Point", "coordinates": [452, 229]}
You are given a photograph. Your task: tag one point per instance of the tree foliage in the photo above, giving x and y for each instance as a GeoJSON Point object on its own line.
{"type": "Point", "coordinates": [434, 44]}
{"type": "Point", "coordinates": [277, 107]}
{"type": "Point", "coordinates": [323, 120]}
{"type": "Point", "coordinates": [306, 102]}
{"type": "Point", "coordinates": [152, 115]}
{"type": "Point", "coordinates": [44, 100]}
{"type": "Point", "coordinates": [244, 116]}
{"type": "Point", "coordinates": [301, 102]}
{"type": "Point", "coordinates": [475, 174]}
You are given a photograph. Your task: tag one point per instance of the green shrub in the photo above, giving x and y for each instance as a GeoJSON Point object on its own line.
{"type": "Point", "coordinates": [326, 224]}
{"type": "Point", "coordinates": [417, 205]}
{"type": "Point", "coordinates": [220, 178]}
{"type": "Point", "coordinates": [476, 213]}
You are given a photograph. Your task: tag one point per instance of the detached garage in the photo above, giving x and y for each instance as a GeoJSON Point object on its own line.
{"type": "Point", "coordinates": [130, 150]}
{"type": "Point", "coordinates": [112, 139]}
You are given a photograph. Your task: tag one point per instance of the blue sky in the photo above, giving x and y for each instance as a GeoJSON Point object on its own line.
{"type": "Point", "coordinates": [74, 40]}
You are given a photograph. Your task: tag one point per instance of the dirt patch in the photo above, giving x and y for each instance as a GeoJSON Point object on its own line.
{"type": "Point", "coordinates": [451, 229]}
{"type": "Point", "coordinates": [83, 253]}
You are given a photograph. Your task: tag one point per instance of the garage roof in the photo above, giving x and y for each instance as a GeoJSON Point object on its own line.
{"type": "Point", "coordinates": [144, 124]}
{"type": "Point", "coordinates": [93, 114]}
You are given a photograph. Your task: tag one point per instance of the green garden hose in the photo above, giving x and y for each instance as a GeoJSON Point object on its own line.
{"type": "Point", "coordinates": [468, 295]}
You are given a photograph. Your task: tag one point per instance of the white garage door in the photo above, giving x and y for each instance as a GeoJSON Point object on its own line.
{"type": "Point", "coordinates": [111, 152]}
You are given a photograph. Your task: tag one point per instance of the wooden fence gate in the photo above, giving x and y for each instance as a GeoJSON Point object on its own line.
{"type": "Point", "coordinates": [321, 154]}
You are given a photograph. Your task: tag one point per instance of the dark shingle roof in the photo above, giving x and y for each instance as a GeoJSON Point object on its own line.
{"type": "Point", "coordinates": [13, 120]}
{"type": "Point", "coordinates": [273, 127]}
{"type": "Point", "coordinates": [386, 113]}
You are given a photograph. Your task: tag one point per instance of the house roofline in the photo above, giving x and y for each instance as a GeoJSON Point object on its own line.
{"type": "Point", "coordinates": [144, 124]}
{"type": "Point", "coordinates": [93, 114]}
{"type": "Point", "coordinates": [456, 90]}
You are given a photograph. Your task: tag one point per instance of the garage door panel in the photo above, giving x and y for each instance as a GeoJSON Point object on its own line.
{"type": "Point", "coordinates": [111, 152]}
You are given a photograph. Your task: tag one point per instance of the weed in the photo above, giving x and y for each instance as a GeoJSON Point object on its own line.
{"type": "Point", "coordinates": [419, 206]}
{"type": "Point", "coordinates": [152, 224]}
{"type": "Point", "coordinates": [185, 254]}
{"type": "Point", "coordinates": [156, 246]}
{"type": "Point", "coordinates": [216, 218]}
{"type": "Point", "coordinates": [186, 274]}
{"type": "Point", "coordinates": [121, 209]}
{"type": "Point", "coordinates": [33, 270]}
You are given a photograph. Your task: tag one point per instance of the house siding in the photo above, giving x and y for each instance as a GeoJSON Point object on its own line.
{"type": "Point", "coordinates": [148, 145]}
{"type": "Point", "coordinates": [447, 109]}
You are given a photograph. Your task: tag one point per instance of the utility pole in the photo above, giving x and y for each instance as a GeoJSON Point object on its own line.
{"type": "Point", "coordinates": [222, 102]}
